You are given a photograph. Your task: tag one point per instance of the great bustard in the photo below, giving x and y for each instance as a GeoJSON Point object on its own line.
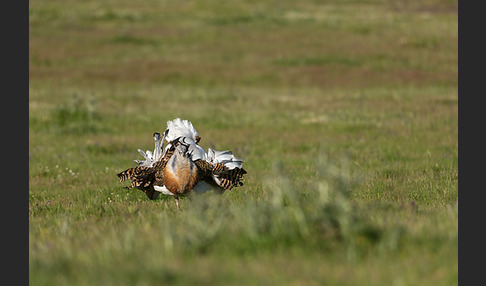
{"type": "Point", "coordinates": [183, 166]}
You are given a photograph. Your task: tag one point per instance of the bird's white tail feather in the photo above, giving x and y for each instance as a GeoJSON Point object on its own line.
{"type": "Point", "coordinates": [180, 128]}
{"type": "Point", "coordinates": [159, 142]}
{"type": "Point", "coordinates": [225, 157]}
{"type": "Point", "coordinates": [197, 152]}
{"type": "Point", "coordinates": [148, 156]}
{"type": "Point", "coordinates": [151, 158]}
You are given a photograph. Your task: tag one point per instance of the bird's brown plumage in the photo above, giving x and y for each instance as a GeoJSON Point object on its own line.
{"type": "Point", "coordinates": [179, 174]}
{"type": "Point", "coordinates": [228, 178]}
{"type": "Point", "coordinates": [144, 178]}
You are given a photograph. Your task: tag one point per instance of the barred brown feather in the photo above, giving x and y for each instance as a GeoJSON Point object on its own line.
{"type": "Point", "coordinates": [231, 178]}
{"type": "Point", "coordinates": [144, 178]}
{"type": "Point", "coordinates": [133, 173]}
{"type": "Point", "coordinates": [227, 178]}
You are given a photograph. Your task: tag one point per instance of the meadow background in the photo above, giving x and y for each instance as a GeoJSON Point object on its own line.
{"type": "Point", "coordinates": [345, 112]}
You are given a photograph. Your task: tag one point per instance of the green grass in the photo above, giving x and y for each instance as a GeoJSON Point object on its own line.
{"type": "Point", "coordinates": [345, 114]}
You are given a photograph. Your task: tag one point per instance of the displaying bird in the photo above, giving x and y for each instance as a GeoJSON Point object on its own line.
{"type": "Point", "coordinates": [184, 166]}
{"type": "Point", "coordinates": [149, 174]}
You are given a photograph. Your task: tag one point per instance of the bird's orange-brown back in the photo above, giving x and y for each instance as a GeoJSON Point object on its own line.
{"type": "Point", "coordinates": [180, 174]}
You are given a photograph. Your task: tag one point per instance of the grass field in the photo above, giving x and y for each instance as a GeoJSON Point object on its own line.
{"type": "Point", "coordinates": [345, 112]}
